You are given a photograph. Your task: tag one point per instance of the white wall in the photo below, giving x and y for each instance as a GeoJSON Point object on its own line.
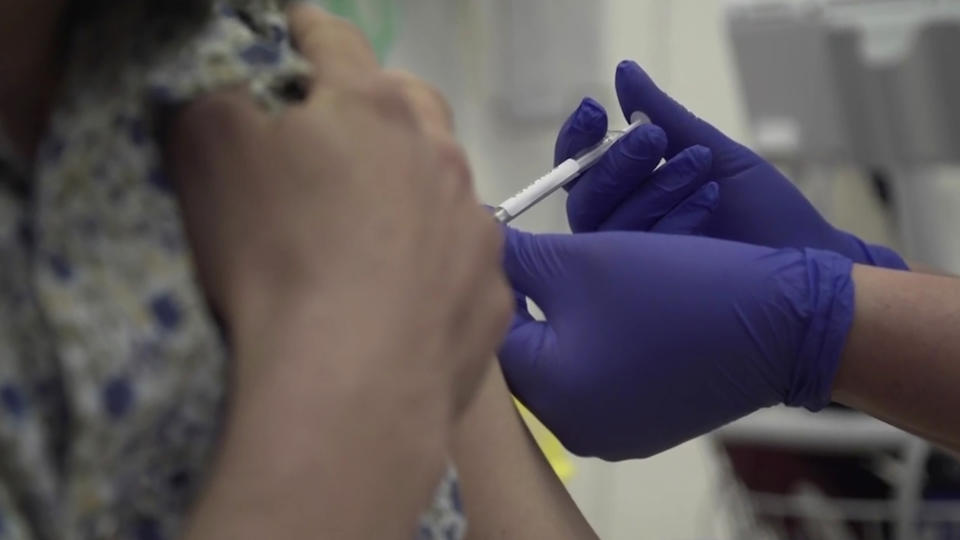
{"type": "Point", "coordinates": [682, 44]}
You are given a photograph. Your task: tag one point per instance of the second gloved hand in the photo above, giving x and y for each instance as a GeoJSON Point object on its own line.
{"type": "Point", "coordinates": [676, 199]}
{"type": "Point", "coordinates": [757, 204]}
{"type": "Point", "coordinates": [651, 340]}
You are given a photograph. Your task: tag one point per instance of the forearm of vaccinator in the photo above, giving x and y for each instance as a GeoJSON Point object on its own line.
{"type": "Point", "coordinates": [902, 358]}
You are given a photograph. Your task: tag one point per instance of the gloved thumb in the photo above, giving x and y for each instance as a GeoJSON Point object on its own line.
{"type": "Point", "coordinates": [528, 360]}
{"type": "Point", "coordinates": [584, 128]}
{"type": "Point", "coordinates": [529, 350]}
{"type": "Point", "coordinates": [531, 262]}
{"type": "Point", "coordinates": [638, 93]}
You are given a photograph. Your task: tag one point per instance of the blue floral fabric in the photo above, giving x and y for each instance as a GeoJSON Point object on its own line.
{"type": "Point", "coordinates": [112, 371]}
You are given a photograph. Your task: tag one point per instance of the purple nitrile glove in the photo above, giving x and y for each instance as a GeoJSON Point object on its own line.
{"type": "Point", "coordinates": [679, 196]}
{"type": "Point", "coordinates": [651, 339]}
{"type": "Point", "coordinates": [757, 204]}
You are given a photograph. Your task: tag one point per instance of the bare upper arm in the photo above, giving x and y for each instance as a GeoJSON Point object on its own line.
{"type": "Point", "coordinates": [509, 490]}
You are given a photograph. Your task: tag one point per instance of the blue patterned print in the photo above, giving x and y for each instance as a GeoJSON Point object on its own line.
{"type": "Point", "coordinates": [111, 364]}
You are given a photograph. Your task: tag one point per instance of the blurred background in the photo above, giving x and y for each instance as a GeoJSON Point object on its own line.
{"type": "Point", "coordinates": [858, 101]}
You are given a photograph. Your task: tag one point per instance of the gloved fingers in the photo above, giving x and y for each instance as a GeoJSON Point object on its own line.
{"type": "Point", "coordinates": [637, 92]}
{"type": "Point", "coordinates": [530, 261]}
{"type": "Point", "coordinates": [528, 360]}
{"type": "Point", "coordinates": [618, 174]}
{"type": "Point", "coordinates": [521, 313]}
{"type": "Point", "coordinates": [584, 128]}
{"type": "Point", "coordinates": [690, 215]}
{"type": "Point", "coordinates": [528, 355]}
{"type": "Point", "coordinates": [661, 192]}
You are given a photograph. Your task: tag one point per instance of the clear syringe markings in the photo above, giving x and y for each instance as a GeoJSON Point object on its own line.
{"type": "Point", "coordinates": [563, 174]}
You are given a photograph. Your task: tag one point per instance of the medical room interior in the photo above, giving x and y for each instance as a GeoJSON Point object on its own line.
{"type": "Point", "coordinates": [858, 101]}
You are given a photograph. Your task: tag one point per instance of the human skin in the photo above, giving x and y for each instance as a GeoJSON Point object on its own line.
{"type": "Point", "coordinates": [490, 434]}
{"type": "Point", "coordinates": [902, 358]}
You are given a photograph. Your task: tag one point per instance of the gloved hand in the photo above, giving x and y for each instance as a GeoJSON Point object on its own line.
{"type": "Point", "coordinates": [654, 339]}
{"type": "Point", "coordinates": [757, 204]}
{"type": "Point", "coordinates": [678, 194]}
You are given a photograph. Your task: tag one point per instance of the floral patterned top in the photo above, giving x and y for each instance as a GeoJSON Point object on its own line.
{"type": "Point", "coordinates": [111, 368]}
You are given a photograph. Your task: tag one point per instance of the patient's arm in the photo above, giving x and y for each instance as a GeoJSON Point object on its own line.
{"type": "Point", "coordinates": [508, 488]}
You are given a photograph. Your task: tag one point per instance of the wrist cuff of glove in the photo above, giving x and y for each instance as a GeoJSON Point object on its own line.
{"type": "Point", "coordinates": [831, 304]}
{"type": "Point", "coordinates": [879, 256]}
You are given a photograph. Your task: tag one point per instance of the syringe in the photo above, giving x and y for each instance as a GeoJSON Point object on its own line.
{"type": "Point", "coordinates": [563, 174]}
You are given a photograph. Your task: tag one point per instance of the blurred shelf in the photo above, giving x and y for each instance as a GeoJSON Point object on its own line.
{"type": "Point", "coordinates": [828, 431]}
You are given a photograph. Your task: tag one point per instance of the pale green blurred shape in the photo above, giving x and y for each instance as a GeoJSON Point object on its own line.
{"type": "Point", "coordinates": [377, 19]}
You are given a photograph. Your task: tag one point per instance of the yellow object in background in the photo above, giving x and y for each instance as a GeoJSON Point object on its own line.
{"type": "Point", "coordinates": [556, 454]}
